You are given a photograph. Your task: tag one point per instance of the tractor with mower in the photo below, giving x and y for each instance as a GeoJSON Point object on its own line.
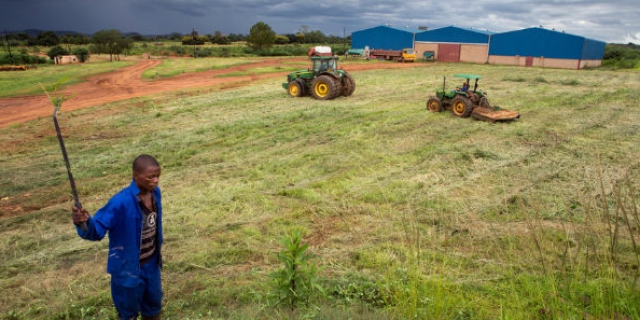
{"type": "Point", "coordinates": [323, 81]}
{"type": "Point", "coordinates": [465, 102]}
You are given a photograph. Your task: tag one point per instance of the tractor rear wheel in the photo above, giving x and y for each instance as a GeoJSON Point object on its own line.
{"type": "Point", "coordinates": [348, 85]}
{"type": "Point", "coordinates": [324, 87]}
{"type": "Point", "coordinates": [295, 89]}
{"type": "Point", "coordinates": [434, 104]}
{"type": "Point", "coordinates": [461, 107]}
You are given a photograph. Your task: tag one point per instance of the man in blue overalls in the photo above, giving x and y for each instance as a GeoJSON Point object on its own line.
{"type": "Point", "coordinates": [133, 219]}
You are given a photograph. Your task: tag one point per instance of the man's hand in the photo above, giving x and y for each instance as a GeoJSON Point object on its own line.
{"type": "Point", "coordinates": [79, 215]}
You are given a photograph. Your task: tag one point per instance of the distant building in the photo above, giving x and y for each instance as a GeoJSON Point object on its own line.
{"type": "Point", "coordinates": [532, 47]}
{"type": "Point", "coordinates": [538, 47]}
{"type": "Point", "coordinates": [453, 44]}
{"type": "Point", "coordinates": [70, 59]}
{"type": "Point", "coordinates": [382, 37]}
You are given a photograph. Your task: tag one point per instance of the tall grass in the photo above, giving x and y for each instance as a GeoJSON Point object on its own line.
{"type": "Point", "coordinates": [410, 214]}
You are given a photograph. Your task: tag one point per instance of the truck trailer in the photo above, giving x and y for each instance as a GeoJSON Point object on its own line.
{"type": "Point", "coordinates": [404, 55]}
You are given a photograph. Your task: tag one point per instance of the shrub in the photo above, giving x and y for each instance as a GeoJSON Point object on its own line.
{"type": "Point", "coordinates": [296, 281]}
{"type": "Point", "coordinates": [619, 56]}
{"type": "Point", "coordinates": [57, 51]}
{"type": "Point", "coordinates": [81, 53]}
{"type": "Point", "coordinates": [20, 59]}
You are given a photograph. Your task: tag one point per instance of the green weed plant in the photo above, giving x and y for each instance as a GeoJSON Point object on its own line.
{"type": "Point", "coordinates": [296, 282]}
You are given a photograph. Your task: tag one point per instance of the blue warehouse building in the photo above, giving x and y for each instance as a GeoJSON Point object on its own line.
{"type": "Point", "coordinates": [532, 47]}
{"type": "Point", "coordinates": [545, 48]}
{"type": "Point", "coordinates": [382, 37]}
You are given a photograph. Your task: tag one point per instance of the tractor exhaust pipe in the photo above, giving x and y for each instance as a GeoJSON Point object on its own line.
{"type": "Point", "coordinates": [444, 85]}
{"type": "Point", "coordinates": [78, 205]}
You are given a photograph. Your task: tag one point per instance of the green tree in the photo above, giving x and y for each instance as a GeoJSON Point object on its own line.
{"type": "Point", "coordinates": [67, 39]}
{"type": "Point", "coordinates": [22, 36]}
{"type": "Point", "coordinates": [261, 36]}
{"type": "Point", "coordinates": [81, 53]}
{"type": "Point", "coordinates": [236, 37]}
{"type": "Point", "coordinates": [47, 39]}
{"type": "Point", "coordinates": [31, 42]}
{"type": "Point", "coordinates": [110, 42]}
{"type": "Point", "coordinates": [302, 33]}
{"type": "Point", "coordinates": [282, 39]}
{"type": "Point", "coordinates": [136, 37]}
{"type": "Point", "coordinates": [81, 39]}
{"type": "Point", "coordinates": [175, 36]}
{"type": "Point", "coordinates": [219, 38]}
{"type": "Point", "coordinates": [198, 40]}
{"type": "Point", "coordinates": [57, 51]}
{"type": "Point", "coordinates": [315, 36]}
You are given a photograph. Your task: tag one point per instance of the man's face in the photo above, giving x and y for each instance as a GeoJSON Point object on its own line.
{"type": "Point", "coordinates": [147, 179]}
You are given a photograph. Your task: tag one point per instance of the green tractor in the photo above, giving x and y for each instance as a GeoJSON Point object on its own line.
{"type": "Point", "coordinates": [465, 101]}
{"type": "Point", "coordinates": [323, 81]}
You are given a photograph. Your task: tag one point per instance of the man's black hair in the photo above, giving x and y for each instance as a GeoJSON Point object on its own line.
{"type": "Point", "coordinates": [144, 161]}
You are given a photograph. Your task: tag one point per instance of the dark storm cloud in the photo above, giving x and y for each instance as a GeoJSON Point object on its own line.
{"type": "Point", "coordinates": [188, 8]}
{"type": "Point", "coordinates": [614, 21]}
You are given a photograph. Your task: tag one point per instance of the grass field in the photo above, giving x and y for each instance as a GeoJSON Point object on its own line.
{"type": "Point", "coordinates": [409, 214]}
{"type": "Point", "coordinates": [173, 67]}
{"type": "Point", "coordinates": [26, 82]}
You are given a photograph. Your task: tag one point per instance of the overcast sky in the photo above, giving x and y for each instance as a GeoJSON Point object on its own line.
{"type": "Point", "coordinates": [605, 20]}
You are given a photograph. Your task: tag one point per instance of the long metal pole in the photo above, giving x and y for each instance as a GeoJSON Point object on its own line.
{"type": "Point", "coordinates": [6, 36]}
{"type": "Point", "coordinates": [78, 205]}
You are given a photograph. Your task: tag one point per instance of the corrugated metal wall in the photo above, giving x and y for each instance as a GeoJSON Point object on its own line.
{"type": "Point", "coordinates": [453, 44]}
{"type": "Point", "coordinates": [593, 49]}
{"type": "Point", "coordinates": [539, 42]}
{"type": "Point", "coordinates": [528, 47]}
{"type": "Point", "coordinates": [453, 35]}
{"type": "Point", "coordinates": [382, 37]}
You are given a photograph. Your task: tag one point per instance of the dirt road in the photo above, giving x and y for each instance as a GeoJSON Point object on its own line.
{"type": "Point", "coordinates": [127, 83]}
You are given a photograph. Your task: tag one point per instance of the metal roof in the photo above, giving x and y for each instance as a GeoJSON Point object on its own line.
{"type": "Point", "coordinates": [454, 34]}
{"type": "Point", "coordinates": [540, 42]}
{"type": "Point", "coordinates": [382, 37]}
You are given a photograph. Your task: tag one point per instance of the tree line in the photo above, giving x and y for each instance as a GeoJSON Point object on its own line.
{"type": "Point", "coordinates": [50, 38]}
{"type": "Point", "coordinates": [114, 43]}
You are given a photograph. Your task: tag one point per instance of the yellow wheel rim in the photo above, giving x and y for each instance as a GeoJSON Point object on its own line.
{"type": "Point", "coordinates": [293, 90]}
{"type": "Point", "coordinates": [322, 89]}
{"type": "Point", "coordinates": [459, 107]}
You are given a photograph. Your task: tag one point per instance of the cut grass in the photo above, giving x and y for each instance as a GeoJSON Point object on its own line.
{"type": "Point", "coordinates": [410, 213]}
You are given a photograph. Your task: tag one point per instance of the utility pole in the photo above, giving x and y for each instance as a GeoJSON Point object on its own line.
{"type": "Point", "coordinates": [344, 37]}
{"type": "Point", "coordinates": [6, 37]}
{"type": "Point", "coordinates": [193, 35]}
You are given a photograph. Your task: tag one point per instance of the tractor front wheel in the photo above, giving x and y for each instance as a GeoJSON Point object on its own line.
{"type": "Point", "coordinates": [461, 107]}
{"type": "Point", "coordinates": [434, 104]}
{"type": "Point", "coordinates": [324, 87]}
{"type": "Point", "coordinates": [295, 89]}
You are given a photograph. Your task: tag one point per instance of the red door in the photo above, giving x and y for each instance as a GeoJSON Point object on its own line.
{"type": "Point", "coordinates": [449, 52]}
{"type": "Point", "coordinates": [529, 62]}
